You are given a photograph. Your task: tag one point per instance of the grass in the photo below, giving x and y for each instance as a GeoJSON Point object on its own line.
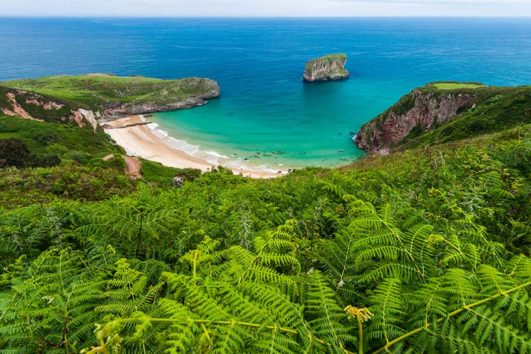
{"type": "Point", "coordinates": [456, 85]}
{"type": "Point", "coordinates": [96, 91]}
{"type": "Point", "coordinates": [331, 57]}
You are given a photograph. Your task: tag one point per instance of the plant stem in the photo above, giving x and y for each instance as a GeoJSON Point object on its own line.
{"type": "Point", "coordinates": [360, 334]}
{"type": "Point", "coordinates": [451, 314]}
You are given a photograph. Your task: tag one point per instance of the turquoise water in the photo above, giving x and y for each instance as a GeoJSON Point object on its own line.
{"type": "Point", "coordinates": [266, 115]}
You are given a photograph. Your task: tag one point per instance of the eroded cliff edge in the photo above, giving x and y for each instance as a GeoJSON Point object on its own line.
{"type": "Point", "coordinates": [419, 111]}
{"type": "Point", "coordinates": [326, 68]}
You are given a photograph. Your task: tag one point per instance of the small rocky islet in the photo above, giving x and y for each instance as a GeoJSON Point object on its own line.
{"type": "Point", "coordinates": [327, 68]}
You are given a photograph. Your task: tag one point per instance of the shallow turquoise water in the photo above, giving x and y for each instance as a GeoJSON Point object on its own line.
{"type": "Point", "coordinates": [307, 125]}
{"type": "Point", "coordinates": [266, 114]}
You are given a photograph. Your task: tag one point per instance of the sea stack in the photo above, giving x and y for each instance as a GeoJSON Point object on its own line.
{"type": "Point", "coordinates": [327, 68]}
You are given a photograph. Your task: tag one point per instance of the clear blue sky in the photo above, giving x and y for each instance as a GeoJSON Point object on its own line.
{"type": "Point", "coordinates": [267, 8]}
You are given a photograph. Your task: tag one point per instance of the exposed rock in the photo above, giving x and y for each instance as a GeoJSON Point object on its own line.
{"type": "Point", "coordinates": [46, 104]}
{"type": "Point", "coordinates": [16, 108]}
{"type": "Point", "coordinates": [111, 125]}
{"type": "Point", "coordinates": [18, 103]}
{"type": "Point", "coordinates": [329, 67]}
{"type": "Point", "coordinates": [90, 117]}
{"type": "Point", "coordinates": [210, 87]}
{"type": "Point", "coordinates": [133, 166]}
{"type": "Point", "coordinates": [421, 110]}
{"type": "Point", "coordinates": [108, 157]}
{"type": "Point", "coordinates": [178, 181]}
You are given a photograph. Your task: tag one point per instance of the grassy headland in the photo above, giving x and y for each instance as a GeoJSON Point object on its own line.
{"type": "Point", "coordinates": [97, 91]}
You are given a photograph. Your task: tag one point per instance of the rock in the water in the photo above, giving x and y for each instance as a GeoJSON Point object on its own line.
{"type": "Point", "coordinates": [329, 67]}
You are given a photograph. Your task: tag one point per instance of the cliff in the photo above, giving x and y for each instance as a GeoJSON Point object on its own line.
{"type": "Point", "coordinates": [419, 111]}
{"type": "Point", "coordinates": [443, 112]}
{"type": "Point", "coordinates": [33, 106]}
{"type": "Point", "coordinates": [329, 67]}
{"type": "Point", "coordinates": [107, 96]}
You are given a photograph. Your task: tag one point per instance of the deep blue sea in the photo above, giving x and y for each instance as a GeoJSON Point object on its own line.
{"type": "Point", "coordinates": [266, 115]}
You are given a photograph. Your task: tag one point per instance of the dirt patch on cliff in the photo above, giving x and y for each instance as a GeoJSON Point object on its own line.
{"type": "Point", "coordinates": [133, 165]}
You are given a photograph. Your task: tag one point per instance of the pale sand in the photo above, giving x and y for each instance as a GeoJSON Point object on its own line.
{"type": "Point", "coordinates": [139, 140]}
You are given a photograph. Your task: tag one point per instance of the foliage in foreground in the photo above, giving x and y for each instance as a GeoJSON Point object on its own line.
{"type": "Point", "coordinates": [407, 253]}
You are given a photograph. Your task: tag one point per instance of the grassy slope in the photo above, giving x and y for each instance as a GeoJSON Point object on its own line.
{"type": "Point", "coordinates": [94, 91]}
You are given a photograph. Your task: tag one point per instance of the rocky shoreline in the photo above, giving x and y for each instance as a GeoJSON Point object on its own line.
{"type": "Point", "coordinates": [117, 111]}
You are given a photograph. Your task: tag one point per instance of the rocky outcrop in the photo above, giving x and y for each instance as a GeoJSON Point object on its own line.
{"type": "Point", "coordinates": [120, 110]}
{"type": "Point", "coordinates": [419, 111]}
{"type": "Point", "coordinates": [30, 105]}
{"type": "Point", "coordinates": [133, 166]}
{"type": "Point", "coordinates": [329, 67]}
{"type": "Point", "coordinates": [169, 99]}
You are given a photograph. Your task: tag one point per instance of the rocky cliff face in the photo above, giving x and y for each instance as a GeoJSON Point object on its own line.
{"type": "Point", "coordinates": [29, 105]}
{"type": "Point", "coordinates": [330, 67]}
{"type": "Point", "coordinates": [420, 111]}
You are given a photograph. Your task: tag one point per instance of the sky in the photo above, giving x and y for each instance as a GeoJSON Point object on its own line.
{"type": "Point", "coordinates": [265, 8]}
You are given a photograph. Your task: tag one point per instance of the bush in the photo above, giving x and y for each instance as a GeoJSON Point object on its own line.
{"type": "Point", "coordinates": [13, 152]}
{"type": "Point", "coordinates": [46, 160]}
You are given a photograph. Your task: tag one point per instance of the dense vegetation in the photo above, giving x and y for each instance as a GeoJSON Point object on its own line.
{"type": "Point", "coordinates": [99, 90]}
{"type": "Point", "coordinates": [425, 250]}
{"type": "Point", "coordinates": [86, 165]}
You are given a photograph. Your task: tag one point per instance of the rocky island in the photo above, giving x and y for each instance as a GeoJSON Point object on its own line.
{"type": "Point", "coordinates": [326, 68]}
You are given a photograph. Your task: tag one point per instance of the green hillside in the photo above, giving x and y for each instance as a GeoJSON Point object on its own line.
{"type": "Point", "coordinates": [425, 250]}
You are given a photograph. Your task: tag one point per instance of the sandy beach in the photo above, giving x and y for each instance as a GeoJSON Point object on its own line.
{"type": "Point", "coordinates": [138, 139]}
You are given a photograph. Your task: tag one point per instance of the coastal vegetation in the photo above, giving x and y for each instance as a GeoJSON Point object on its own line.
{"type": "Point", "coordinates": [425, 250]}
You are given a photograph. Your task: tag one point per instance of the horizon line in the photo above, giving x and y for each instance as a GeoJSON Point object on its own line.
{"type": "Point", "coordinates": [266, 17]}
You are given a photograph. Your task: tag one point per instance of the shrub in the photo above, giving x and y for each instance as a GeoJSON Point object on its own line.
{"type": "Point", "coordinates": [13, 152]}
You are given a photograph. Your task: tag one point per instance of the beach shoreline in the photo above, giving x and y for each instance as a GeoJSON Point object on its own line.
{"type": "Point", "coordinates": [134, 134]}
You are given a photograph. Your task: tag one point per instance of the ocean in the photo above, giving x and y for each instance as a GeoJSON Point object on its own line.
{"type": "Point", "coordinates": [266, 116]}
